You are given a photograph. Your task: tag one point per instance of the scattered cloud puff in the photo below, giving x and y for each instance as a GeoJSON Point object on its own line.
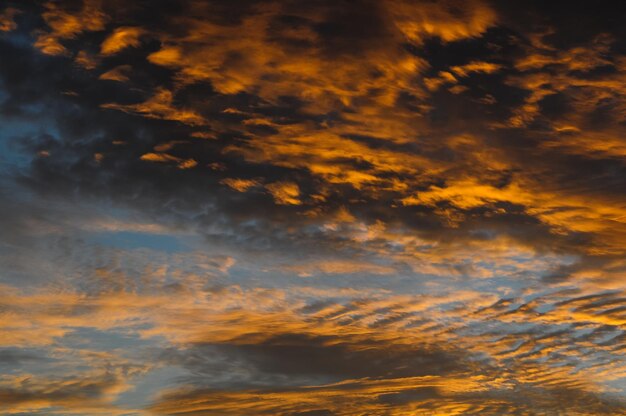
{"type": "Point", "coordinates": [120, 39]}
{"type": "Point", "coordinates": [7, 19]}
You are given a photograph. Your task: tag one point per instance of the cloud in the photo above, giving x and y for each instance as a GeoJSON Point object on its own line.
{"type": "Point", "coordinates": [449, 348]}
{"type": "Point", "coordinates": [337, 267]}
{"type": "Point", "coordinates": [66, 25]}
{"type": "Point", "coordinates": [119, 73]}
{"type": "Point", "coordinates": [285, 193]}
{"type": "Point", "coordinates": [7, 22]}
{"type": "Point", "coordinates": [90, 393]}
{"type": "Point", "coordinates": [165, 158]}
{"type": "Point", "coordinates": [120, 39]}
{"type": "Point", "coordinates": [445, 20]}
{"type": "Point", "coordinates": [334, 401]}
{"type": "Point", "coordinates": [160, 106]}
{"type": "Point", "coordinates": [241, 185]}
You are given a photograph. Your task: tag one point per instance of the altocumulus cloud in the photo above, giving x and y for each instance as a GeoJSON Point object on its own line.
{"type": "Point", "coordinates": [312, 208]}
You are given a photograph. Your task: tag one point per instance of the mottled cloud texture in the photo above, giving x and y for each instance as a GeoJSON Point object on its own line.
{"type": "Point", "coordinates": [312, 208]}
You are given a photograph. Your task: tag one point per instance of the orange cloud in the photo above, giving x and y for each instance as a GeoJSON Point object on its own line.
{"type": "Point", "coordinates": [446, 333]}
{"type": "Point", "coordinates": [272, 70]}
{"type": "Point", "coordinates": [337, 267]}
{"type": "Point", "coordinates": [86, 60]}
{"type": "Point", "coordinates": [7, 22]}
{"type": "Point", "coordinates": [78, 394]}
{"type": "Point", "coordinates": [444, 19]}
{"type": "Point", "coordinates": [161, 106]}
{"type": "Point", "coordinates": [66, 25]}
{"type": "Point", "coordinates": [165, 158]}
{"type": "Point", "coordinates": [120, 39]}
{"type": "Point", "coordinates": [119, 73]}
{"type": "Point", "coordinates": [239, 184]}
{"type": "Point", "coordinates": [285, 193]}
{"type": "Point", "coordinates": [475, 66]}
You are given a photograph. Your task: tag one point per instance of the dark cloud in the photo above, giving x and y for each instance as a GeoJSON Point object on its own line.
{"type": "Point", "coordinates": [85, 129]}
{"type": "Point", "coordinates": [86, 393]}
{"type": "Point", "coordinates": [299, 358]}
{"type": "Point", "coordinates": [14, 356]}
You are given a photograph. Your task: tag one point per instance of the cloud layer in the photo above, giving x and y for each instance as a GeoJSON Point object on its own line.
{"type": "Point", "coordinates": [321, 208]}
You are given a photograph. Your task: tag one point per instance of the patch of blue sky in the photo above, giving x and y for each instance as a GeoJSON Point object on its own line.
{"type": "Point", "coordinates": [617, 386]}
{"type": "Point", "coordinates": [10, 132]}
{"type": "Point", "coordinates": [544, 308]}
{"type": "Point", "coordinates": [606, 338]}
{"type": "Point", "coordinates": [130, 240]}
{"type": "Point", "coordinates": [146, 388]}
{"type": "Point", "coordinates": [501, 284]}
{"type": "Point", "coordinates": [19, 38]}
{"type": "Point", "coordinates": [15, 360]}
{"type": "Point", "coordinates": [92, 339]}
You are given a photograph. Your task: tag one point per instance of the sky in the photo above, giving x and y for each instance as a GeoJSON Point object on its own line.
{"type": "Point", "coordinates": [312, 208]}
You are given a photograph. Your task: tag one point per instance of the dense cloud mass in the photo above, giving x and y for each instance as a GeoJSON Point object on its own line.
{"type": "Point", "coordinates": [367, 207]}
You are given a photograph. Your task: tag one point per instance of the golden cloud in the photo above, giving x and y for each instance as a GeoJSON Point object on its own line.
{"type": "Point", "coordinates": [65, 25]}
{"type": "Point", "coordinates": [120, 39]}
{"type": "Point", "coordinates": [7, 16]}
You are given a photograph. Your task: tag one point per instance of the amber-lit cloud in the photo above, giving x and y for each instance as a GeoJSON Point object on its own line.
{"type": "Point", "coordinates": [83, 394]}
{"type": "Point", "coordinates": [7, 22]}
{"type": "Point", "coordinates": [312, 208]}
{"type": "Point", "coordinates": [240, 185]}
{"type": "Point", "coordinates": [121, 38]}
{"type": "Point", "coordinates": [435, 353]}
{"type": "Point", "coordinates": [285, 193]}
{"type": "Point", "coordinates": [119, 73]}
{"type": "Point", "coordinates": [444, 20]}
{"type": "Point", "coordinates": [158, 106]}
{"type": "Point", "coordinates": [166, 158]}
{"type": "Point", "coordinates": [66, 25]}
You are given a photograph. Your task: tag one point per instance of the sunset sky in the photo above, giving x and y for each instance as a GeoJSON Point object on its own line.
{"type": "Point", "coordinates": [312, 208]}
